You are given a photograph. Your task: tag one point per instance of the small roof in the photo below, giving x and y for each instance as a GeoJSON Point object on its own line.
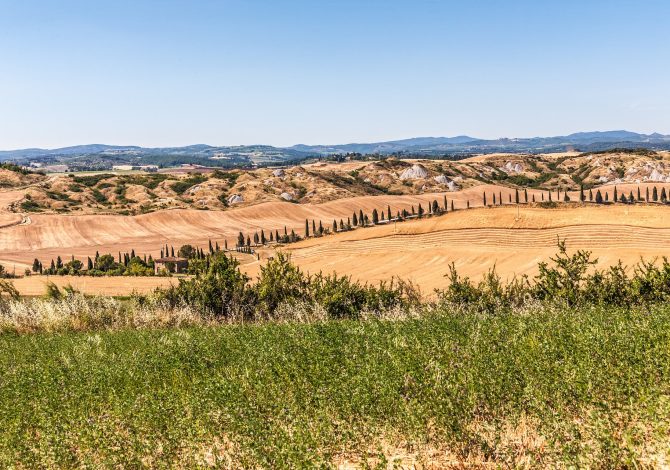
{"type": "Point", "coordinates": [169, 259]}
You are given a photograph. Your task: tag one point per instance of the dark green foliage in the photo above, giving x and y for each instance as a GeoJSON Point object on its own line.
{"type": "Point", "coordinates": [91, 180]}
{"type": "Point", "coordinates": [181, 186]}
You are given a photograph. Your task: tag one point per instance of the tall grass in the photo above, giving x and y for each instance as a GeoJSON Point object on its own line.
{"type": "Point", "coordinates": [547, 387]}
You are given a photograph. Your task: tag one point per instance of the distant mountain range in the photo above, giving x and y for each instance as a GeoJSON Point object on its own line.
{"type": "Point", "coordinates": [102, 156]}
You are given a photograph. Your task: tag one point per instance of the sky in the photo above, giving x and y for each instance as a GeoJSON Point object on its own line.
{"type": "Point", "coordinates": [282, 72]}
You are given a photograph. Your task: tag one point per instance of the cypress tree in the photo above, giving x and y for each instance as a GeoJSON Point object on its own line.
{"type": "Point", "coordinates": [615, 194]}
{"type": "Point", "coordinates": [484, 199]}
{"type": "Point", "coordinates": [272, 236]}
{"type": "Point", "coordinates": [334, 226]}
{"type": "Point", "coordinates": [320, 228]}
{"type": "Point", "coordinates": [516, 196]}
{"type": "Point", "coordinates": [211, 247]}
{"type": "Point", "coordinates": [388, 213]}
{"type": "Point", "coordinates": [361, 219]}
{"type": "Point", "coordinates": [240, 239]}
{"type": "Point", "coordinates": [638, 194]}
{"type": "Point", "coordinates": [420, 210]}
{"type": "Point", "coordinates": [218, 248]}
{"type": "Point", "coordinates": [436, 208]}
{"type": "Point", "coordinates": [341, 225]}
{"type": "Point", "coordinates": [590, 195]}
{"type": "Point", "coordinates": [162, 255]}
{"type": "Point", "coordinates": [550, 195]}
{"type": "Point", "coordinates": [306, 228]}
{"type": "Point", "coordinates": [36, 265]}
{"type": "Point", "coordinates": [607, 196]}
{"type": "Point", "coordinates": [494, 199]}
{"type": "Point", "coordinates": [248, 241]}
{"type": "Point", "coordinates": [375, 217]}
{"type": "Point", "coordinates": [225, 245]}
{"type": "Point", "coordinates": [581, 194]}
{"type": "Point", "coordinates": [566, 198]}
{"type": "Point", "coordinates": [97, 255]}
{"type": "Point", "coordinates": [466, 202]}
{"type": "Point", "coordinates": [263, 239]}
{"type": "Point", "coordinates": [52, 269]}
{"type": "Point", "coordinates": [445, 203]}
{"type": "Point", "coordinates": [509, 198]}
{"type": "Point", "coordinates": [647, 195]}
{"type": "Point", "coordinates": [599, 197]}
{"type": "Point", "coordinates": [355, 220]}
{"type": "Point", "coordinates": [623, 197]}
{"type": "Point", "coordinates": [285, 232]}
{"type": "Point", "coordinates": [277, 236]}
{"type": "Point", "coordinates": [452, 205]}
{"type": "Point", "coordinates": [654, 194]}
{"type": "Point", "coordinates": [664, 197]}
{"type": "Point", "coordinates": [500, 198]}
{"type": "Point", "coordinates": [631, 198]}
{"type": "Point", "coordinates": [256, 239]}
{"type": "Point", "coordinates": [533, 198]}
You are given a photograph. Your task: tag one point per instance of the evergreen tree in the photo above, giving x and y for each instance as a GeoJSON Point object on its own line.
{"type": "Point", "coordinates": [240, 239]}
{"type": "Point", "coordinates": [355, 220]}
{"type": "Point", "coordinates": [623, 197]}
{"type": "Point", "coordinates": [420, 211]}
{"type": "Point", "coordinates": [485, 199]}
{"type": "Point", "coordinates": [509, 197]}
{"type": "Point", "coordinates": [285, 232]}
{"type": "Point", "coordinates": [533, 196]}
{"type": "Point", "coordinates": [36, 265]}
{"type": "Point", "coordinates": [360, 217]}
{"type": "Point", "coordinates": [631, 198]}
{"type": "Point", "coordinates": [97, 255]}
{"type": "Point", "coordinates": [647, 195]}
{"type": "Point", "coordinates": [445, 203]}
{"type": "Point", "coordinates": [248, 241]}
{"type": "Point", "coordinates": [263, 239]}
{"type": "Point", "coordinates": [218, 248]}
{"type": "Point", "coordinates": [313, 228]}
{"type": "Point", "coordinates": [162, 254]}
{"type": "Point", "coordinates": [172, 251]}
{"type": "Point", "coordinates": [306, 228]}
{"type": "Point", "coordinates": [566, 198]}
{"type": "Point", "coordinates": [581, 194]}
{"type": "Point", "coordinates": [599, 197]}
{"type": "Point", "coordinates": [375, 217]}
{"type": "Point", "coordinates": [607, 196]}
{"type": "Point", "coordinates": [52, 269]}
{"type": "Point", "coordinates": [342, 225]}
{"type": "Point", "coordinates": [452, 205]}
{"type": "Point", "coordinates": [516, 196]}
{"type": "Point", "coordinates": [664, 196]}
{"type": "Point", "coordinates": [638, 194]}
{"type": "Point", "coordinates": [436, 208]}
{"type": "Point", "coordinates": [59, 262]}
{"type": "Point", "coordinates": [132, 253]}
{"type": "Point", "coordinates": [654, 194]}
{"type": "Point", "coordinates": [211, 247]}
{"type": "Point", "coordinates": [256, 238]}
{"type": "Point", "coordinates": [500, 198]}
{"type": "Point", "coordinates": [590, 195]}
{"type": "Point", "coordinates": [225, 245]}
{"type": "Point", "coordinates": [615, 195]}
{"type": "Point", "coordinates": [334, 226]}
{"type": "Point", "coordinates": [494, 199]}
{"type": "Point", "coordinates": [549, 195]}
{"type": "Point", "coordinates": [525, 195]}
{"type": "Point", "coordinates": [277, 236]}
{"type": "Point", "coordinates": [320, 228]}
{"type": "Point", "coordinates": [388, 213]}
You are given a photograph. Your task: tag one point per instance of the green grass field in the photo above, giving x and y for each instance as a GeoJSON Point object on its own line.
{"type": "Point", "coordinates": [545, 387]}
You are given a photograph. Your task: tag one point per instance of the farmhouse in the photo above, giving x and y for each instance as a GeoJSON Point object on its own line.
{"type": "Point", "coordinates": [171, 264]}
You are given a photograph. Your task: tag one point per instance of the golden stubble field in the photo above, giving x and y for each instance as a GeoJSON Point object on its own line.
{"type": "Point", "coordinates": [513, 239]}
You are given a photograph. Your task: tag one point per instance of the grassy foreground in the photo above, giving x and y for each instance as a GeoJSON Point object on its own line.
{"type": "Point", "coordinates": [543, 387]}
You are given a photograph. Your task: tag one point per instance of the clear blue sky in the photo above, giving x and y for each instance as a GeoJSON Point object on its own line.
{"type": "Point", "coordinates": [160, 73]}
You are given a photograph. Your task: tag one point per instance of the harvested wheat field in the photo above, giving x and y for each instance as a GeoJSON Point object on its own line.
{"type": "Point", "coordinates": [480, 239]}
{"type": "Point", "coordinates": [513, 239]}
{"type": "Point", "coordinates": [118, 285]}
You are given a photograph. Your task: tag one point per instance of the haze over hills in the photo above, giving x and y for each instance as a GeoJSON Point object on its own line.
{"type": "Point", "coordinates": [103, 156]}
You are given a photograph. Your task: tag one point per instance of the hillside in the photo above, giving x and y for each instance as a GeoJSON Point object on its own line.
{"type": "Point", "coordinates": [316, 183]}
